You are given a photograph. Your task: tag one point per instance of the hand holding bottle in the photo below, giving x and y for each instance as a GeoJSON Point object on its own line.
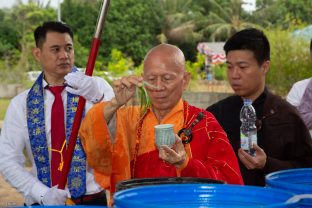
{"type": "Point", "coordinates": [253, 162]}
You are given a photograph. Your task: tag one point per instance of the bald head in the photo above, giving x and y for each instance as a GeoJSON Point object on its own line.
{"type": "Point", "coordinates": [164, 67]}
{"type": "Point", "coordinates": [167, 54]}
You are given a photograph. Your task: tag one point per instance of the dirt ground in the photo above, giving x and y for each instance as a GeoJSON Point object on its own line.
{"type": "Point", "coordinates": [8, 195]}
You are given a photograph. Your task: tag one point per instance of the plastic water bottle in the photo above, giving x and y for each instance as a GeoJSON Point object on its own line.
{"type": "Point", "coordinates": [248, 129]}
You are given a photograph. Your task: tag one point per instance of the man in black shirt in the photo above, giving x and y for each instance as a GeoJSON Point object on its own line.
{"type": "Point", "coordinates": [283, 140]}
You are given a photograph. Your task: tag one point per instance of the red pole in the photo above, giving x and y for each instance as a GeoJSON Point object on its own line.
{"type": "Point", "coordinates": [81, 103]}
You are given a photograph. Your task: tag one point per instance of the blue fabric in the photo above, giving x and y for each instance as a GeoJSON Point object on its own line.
{"type": "Point", "coordinates": [38, 141]}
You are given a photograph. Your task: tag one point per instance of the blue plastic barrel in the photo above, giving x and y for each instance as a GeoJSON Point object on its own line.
{"type": "Point", "coordinates": [297, 181]}
{"type": "Point", "coordinates": [66, 206]}
{"type": "Point", "coordinates": [202, 195]}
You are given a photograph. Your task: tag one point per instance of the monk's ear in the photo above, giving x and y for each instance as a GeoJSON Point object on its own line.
{"type": "Point", "coordinates": [36, 53]}
{"type": "Point", "coordinates": [186, 80]}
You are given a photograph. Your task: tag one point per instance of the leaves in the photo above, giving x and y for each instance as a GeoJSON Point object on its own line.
{"type": "Point", "coordinates": [145, 101]}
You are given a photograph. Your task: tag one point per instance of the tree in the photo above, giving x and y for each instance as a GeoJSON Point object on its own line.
{"type": "Point", "coordinates": [131, 25]}
{"type": "Point", "coordinates": [290, 60]}
{"type": "Point", "coordinates": [27, 18]}
{"type": "Point", "coordinates": [178, 22]}
{"type": "Point", "coordinates": [81, 15]}
{"type": "Point", "coordinates": [283, 14]}
{"type": "Point", "coordinates": [9, 40]}
{"type": "Point", "coordinates": [225, 19]}
{"type": "Point", "coordinates": [24, 18]}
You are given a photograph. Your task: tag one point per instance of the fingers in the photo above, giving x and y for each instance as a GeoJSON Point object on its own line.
{"type": "Point", "coordinates": [76, 79]}
{"type": "Point", "coordinates": [177, 138]}
{"type": "Point", "coordinates": [258, 149]}
{"type": "Point", "coordinates": [175, 156]}
{"type": "Point", "coordinates": [178, 146]}
{"type": "Point", "coordinates": [167, 154]}
{"type": "Point", "coordinates": [72, 90]}
{"type": "Point", "coordinates": [245, 158]}
{"type": "Point", "coordinates": [250, 162]}
{"type": "Point", "coordinates": [128, 82]}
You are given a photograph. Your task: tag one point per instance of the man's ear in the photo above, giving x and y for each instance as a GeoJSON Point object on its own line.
{"type": "Point", "coordinates": [186, 80]}
{"type": "Point", "coordinates": [36, 53]}
{"type": "Point", "coordinates": [266, 67]}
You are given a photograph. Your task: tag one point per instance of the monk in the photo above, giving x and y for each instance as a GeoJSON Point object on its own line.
{"type": "Point", "coordinates": [119, 140]}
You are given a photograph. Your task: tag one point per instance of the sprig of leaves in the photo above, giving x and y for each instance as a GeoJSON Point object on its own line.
{"type": "Point", "coordinates": [145, 101]}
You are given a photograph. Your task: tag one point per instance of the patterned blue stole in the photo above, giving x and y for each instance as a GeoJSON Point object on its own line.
{"type": "Point", "coordinates": [36, 129]}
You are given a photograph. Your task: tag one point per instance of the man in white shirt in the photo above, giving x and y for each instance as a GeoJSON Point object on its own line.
{"type": "Point", "coordinates": [300, 95]}
{"type": "Point", "coordinates": [30, 124]}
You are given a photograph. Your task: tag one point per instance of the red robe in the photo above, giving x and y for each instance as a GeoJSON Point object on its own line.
{"type": "Point", "coordinates": [210, 154]}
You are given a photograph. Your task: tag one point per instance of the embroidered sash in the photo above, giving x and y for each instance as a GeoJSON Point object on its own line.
{"type": "Point", "coordinates": [38, 140]}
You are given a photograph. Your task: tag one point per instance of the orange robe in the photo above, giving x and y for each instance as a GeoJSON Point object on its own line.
{"type": "Point", "coordinates": [210, 154]}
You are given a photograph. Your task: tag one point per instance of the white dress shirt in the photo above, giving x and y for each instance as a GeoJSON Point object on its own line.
{"type": "Point", "coordinates": [296, 93]}
{"type": "Point", "coordinates": [14, 140]}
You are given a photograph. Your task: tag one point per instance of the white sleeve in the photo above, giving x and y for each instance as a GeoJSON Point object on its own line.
{"type": "Point", "coordinates": [105, 88]}
{"type": "Point", "coordinates": [295, 94]}
{"type": "Point", "coordinates": [13, 140]}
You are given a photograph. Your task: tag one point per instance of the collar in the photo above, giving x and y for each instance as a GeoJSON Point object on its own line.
{"type": "Point", "coordinates": [176, 109]}
{"type": "Point", "coordinates": [262, 97]}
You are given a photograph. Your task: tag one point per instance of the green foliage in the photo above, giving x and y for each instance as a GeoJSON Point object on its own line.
{"type": "Point", "coordinates": [16, 42]}
{"type": "Point", "coordinates": [194, 68]}
{"type": "Point", "coordinates": [119, 64]}
{"type": "Point", "coordinates": [290, 60]}
{"type": "Point", "coordinates": [225, 18]}
{"type": "Point", "coordinates": [145, 101]}
{"type": "Point", "coordinates": [282, 13]}
{"type": "Point", "coordinates": [219, 71]}
{"type": "Point", "coordinates": [138, 70]}
{"type": "Point", "coordinates": [9, 35]}
{"type": "Point", "coordinates": [131, 25]}
{"type": "Point", "coordinates": [4, 103]}
{"type": "Point", "coordinates": [179, 20]}
{"type": "Point", "coordinates": [82, 16]}
{"type": "Point", "coordinates": [81, 54]}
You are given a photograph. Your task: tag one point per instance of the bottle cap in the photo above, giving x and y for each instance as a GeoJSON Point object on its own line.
{"type": "Point", "coordinates": [247, 102]}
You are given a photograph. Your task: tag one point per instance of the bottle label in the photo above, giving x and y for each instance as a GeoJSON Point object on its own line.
{"type": "Point", "coordinates": [244, 141]}
{"type": "Point", "coordinates": [247, 142]}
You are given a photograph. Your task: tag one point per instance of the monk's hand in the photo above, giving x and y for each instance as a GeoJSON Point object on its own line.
{"type": "Point", "coordinates": [176, 156]}
{"type": "Point", "coordinates": [250, 162]}
{"type": "Point", "coordinates": [125, 87]}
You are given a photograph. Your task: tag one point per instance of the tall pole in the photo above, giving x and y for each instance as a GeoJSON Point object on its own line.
{"type": "Point", "coordinates": [81, 103]}
{"type": "Point", "coordinates": [58, 11]}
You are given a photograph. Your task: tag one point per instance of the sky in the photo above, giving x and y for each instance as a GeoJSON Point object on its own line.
{"type": "Point", "coordinates": [250, 5]}
{"type": "Point", "coordinates": [10, 3]}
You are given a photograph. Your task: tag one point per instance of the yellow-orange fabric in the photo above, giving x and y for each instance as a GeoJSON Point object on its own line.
{"type": "Point", "coordinates": [210, 154]}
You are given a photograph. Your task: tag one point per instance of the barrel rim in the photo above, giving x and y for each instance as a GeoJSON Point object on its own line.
{"type": "Point", "coordinates": [136, 182]}
{"type": "Point", "coordinates": [274, 179]}
{"type": "Point", "coordinates": [121, 198]}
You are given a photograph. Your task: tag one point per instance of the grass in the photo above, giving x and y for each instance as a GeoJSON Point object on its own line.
{"type": "Point", "coordinates": [4, 103]}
